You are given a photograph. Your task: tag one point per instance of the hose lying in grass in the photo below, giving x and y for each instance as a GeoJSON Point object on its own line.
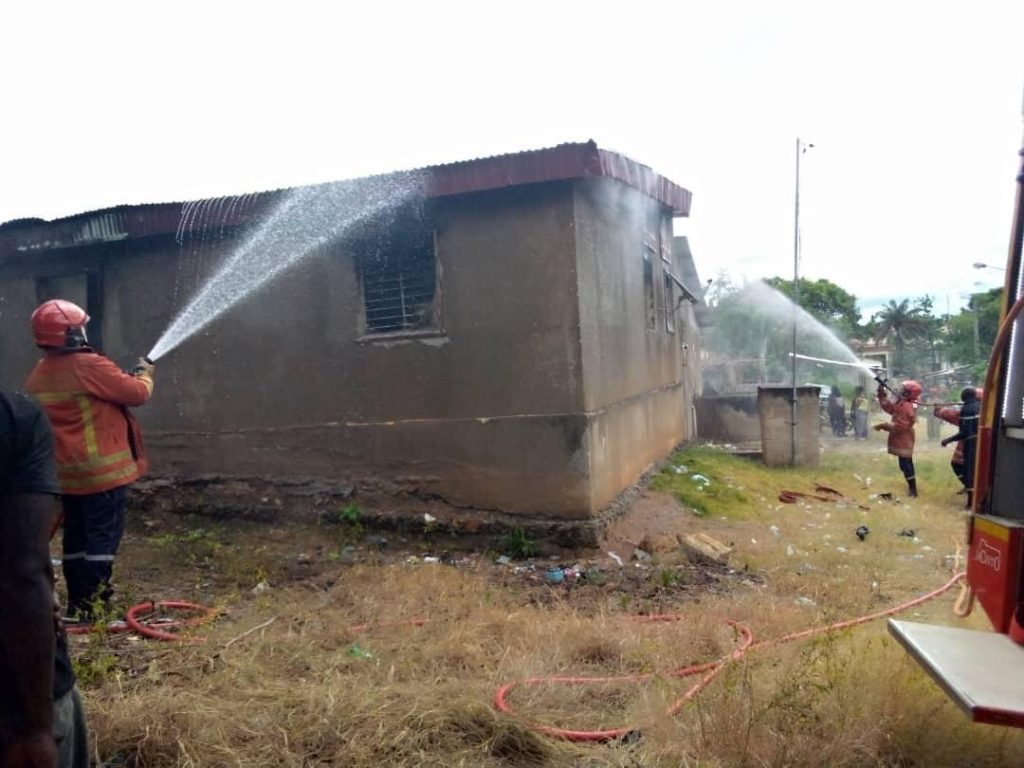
{"type": "Point", "coordinates": [136, 622]}
{"type": "Point", "coordinates": [709, 669]}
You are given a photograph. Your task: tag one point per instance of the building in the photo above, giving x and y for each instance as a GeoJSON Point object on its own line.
{"type": "Point", "coordinates": [512, 335]}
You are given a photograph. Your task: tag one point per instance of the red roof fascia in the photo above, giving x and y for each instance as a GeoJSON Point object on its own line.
{"type": "Point", "coordinates": [564, 162]}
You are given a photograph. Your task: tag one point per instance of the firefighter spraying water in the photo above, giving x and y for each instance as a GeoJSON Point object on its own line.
{"type": "Point", "coordinates": [98, 445]}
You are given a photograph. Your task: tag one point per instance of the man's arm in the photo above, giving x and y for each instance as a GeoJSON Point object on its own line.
{"type": "Point", "coordinates": [26, 627]}
{"type": "Point", "coordinates": [106, 381]}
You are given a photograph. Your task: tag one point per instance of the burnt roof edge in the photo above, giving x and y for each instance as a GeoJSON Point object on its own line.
{"type": "Point", "coordinates": [560, 163]}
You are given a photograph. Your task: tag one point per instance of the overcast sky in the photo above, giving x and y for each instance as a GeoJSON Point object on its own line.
{"type": "Point", "coordinates": [913, 107]}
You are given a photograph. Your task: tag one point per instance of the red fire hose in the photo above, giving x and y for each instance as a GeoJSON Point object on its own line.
{"type": "Point", "coordinates": [710, 669]}
{"type": "Point", "coordinates": [134, 622]}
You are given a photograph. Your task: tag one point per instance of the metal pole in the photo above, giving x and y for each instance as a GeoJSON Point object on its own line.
{"type": "Point", "coordinates": [796, 303]}
{"type": "Point", "coordinates": [977, 337]}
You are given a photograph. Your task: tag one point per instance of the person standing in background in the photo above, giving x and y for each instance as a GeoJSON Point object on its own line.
{"type": "Point", "coordinates": [859, 414]}
{"type": "Point", "coordinates": [837, 412]}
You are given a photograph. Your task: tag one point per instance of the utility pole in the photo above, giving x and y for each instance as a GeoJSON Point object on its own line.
{"type": "Point", "coordinates": [974, 312]}
{"type": "Point", "coordinates": [800, 149]}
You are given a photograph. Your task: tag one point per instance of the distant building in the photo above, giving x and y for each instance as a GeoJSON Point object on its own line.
{"type": "Point", "coordinates": [518, 336]}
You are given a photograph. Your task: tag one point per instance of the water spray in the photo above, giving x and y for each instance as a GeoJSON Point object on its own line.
{"type": "Point", "coordinates": [874, 370]}
{"type": "Point", "coordinates": [863, 366]}
{"type": "Point", "coordinates": [304, 221]}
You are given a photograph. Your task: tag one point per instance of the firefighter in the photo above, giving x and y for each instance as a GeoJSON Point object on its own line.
{"type": "Point", "coordinates": [903, 411]}
{"type": "Point", "coordinates": [966, 438]}
{"type": "Point", "coordinates": [99, 447]}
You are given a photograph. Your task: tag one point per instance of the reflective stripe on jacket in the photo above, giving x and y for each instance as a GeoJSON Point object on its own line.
{"type": "Point", "coordinates": [98, 443]}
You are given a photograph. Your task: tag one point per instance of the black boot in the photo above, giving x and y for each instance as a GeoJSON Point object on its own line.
{"type": "Point", "coordinates": [912, 486]}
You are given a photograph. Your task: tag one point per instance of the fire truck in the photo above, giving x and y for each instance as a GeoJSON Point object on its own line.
{"type": "Point", "coordinates": [984, 671]}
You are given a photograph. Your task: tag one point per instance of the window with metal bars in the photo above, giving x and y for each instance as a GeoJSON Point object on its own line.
{"type": "Point", "coordinates": [399, 279]}
{"type": "Point", "coordinates": [650, 301]}
{"type": "Point", "coordinates": [670, 304]}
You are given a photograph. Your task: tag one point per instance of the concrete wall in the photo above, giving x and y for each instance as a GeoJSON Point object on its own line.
{"type": "Point", "coordinates": [729, 418]}
{"type": "Point", "coordinates": [633, 374]}
{"type": "Point", "coordinates": [486, 412]}
{"type": "Point", "coordinates": [777, 433]}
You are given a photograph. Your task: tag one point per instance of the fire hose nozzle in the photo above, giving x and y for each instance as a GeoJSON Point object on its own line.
{"type": "Point", "coordinates": [139, 369]}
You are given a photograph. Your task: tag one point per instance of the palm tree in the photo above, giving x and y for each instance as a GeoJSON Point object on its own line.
{"type": "Point", "coordinates": [903, 323]}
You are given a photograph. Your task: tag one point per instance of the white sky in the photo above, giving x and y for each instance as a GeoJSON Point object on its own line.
{"type": "Point", "coordinates": [914, 108]}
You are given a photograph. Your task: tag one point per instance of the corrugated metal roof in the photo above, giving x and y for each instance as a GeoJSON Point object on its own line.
{"type": "Point", "coordinates": [560, 163]}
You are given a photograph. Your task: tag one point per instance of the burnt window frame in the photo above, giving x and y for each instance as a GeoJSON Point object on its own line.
{"type": "Point", "coordinates": [667, 282]}
{"type": "Point", "coordinates": [670, 305]}
{"type": "Point", "coordinates": [649, 250]}
{"type": "Point", "coordinates": [404, 236]}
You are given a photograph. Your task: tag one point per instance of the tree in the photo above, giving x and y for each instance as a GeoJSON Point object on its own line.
{"type": "Point", "coordinates": [902, 323]}
{"type": "Point", "coordinates": [972, 331]}
{"type": "Point", "coordinates": [829, 303]}
{"type": "Point", "coordinates": [927, 355]}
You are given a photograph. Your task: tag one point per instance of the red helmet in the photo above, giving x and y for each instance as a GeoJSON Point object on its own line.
{"type": "Point", "coordinates": [59, 323]}
{"type": "Point", "coordinates": [912, 388]}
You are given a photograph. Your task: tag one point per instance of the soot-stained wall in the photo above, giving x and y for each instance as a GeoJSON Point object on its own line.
{"type": "Point", "coordinates": [634, 370]}
{"type": "Point", "coordinates": [538, 388]}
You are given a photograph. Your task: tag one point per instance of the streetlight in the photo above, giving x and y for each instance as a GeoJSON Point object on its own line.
{"type": "Point", "coordinates": [983, 265]}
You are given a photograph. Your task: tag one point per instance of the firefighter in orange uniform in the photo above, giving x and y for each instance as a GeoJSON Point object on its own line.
{"type": "Point", "coordinates": [901, 428]}
{"type": "Point", "coordinates": [98, 445]}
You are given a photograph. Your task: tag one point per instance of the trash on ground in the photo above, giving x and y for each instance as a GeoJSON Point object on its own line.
{"type": "Point", "coordinates": [358, 652]}
{"type": "Point", "coordinates": [862, 532]}
{"type": "Point", "coordinates": [907, 532]}
{"type": "Point", "coordinates": [616, 558]}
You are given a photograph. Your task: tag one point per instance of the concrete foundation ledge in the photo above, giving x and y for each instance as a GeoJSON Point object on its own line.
{"type": "Point", "coordinates": [383, 506]}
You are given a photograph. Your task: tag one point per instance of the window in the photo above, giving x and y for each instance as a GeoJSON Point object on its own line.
{"type": "Point", "coordinates": [650, 303]}
{"type": "Point", "coordinates": [398, 272]}
{"type": "Point", "coordinates": [670, 305]}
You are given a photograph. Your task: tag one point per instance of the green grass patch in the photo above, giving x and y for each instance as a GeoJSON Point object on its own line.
{"type": "Point", "coordinates": [710, 481]}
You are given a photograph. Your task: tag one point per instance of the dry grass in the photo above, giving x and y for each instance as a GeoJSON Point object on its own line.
{"type": "Point", "coordinates": [304, 690]}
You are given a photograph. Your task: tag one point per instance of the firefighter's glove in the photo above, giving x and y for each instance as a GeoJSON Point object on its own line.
{"type": "Point", "coordinates": [144, 371]}
{"type": "Point", "coordinates": [945, 441]}
{"type": "Point", "coordinates": [881, 392]}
